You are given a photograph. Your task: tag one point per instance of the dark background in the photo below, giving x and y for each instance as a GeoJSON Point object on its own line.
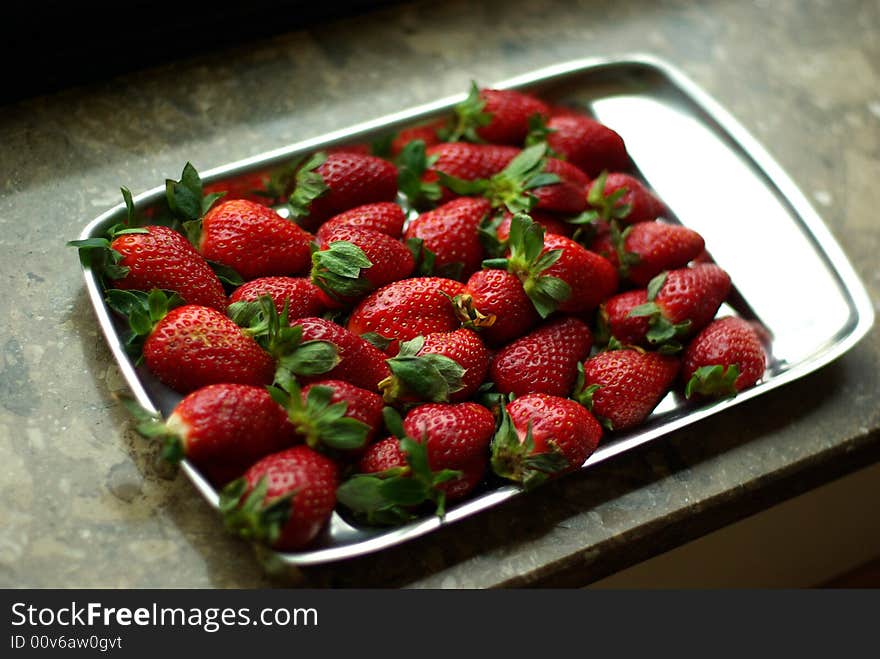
{"type": "Point", "coordinates": [46, 46]}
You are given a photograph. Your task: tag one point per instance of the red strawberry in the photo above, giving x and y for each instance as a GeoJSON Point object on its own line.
{"type": "Point", "coordinates": [438, 452]}
{"type": "Point", "coordinates": [385, 217]}
{"type": "Point", "coordinates": [723, 359]}
{"type": "Point", "coordinates": [437, 367]}
{"type": "Point", "coordinates": [329, 184]}
{"type": "Point", "coordinates": [153, 257]}
{"type": "Point", "coordinates": [544, 360]}
{"type": "Point", "coordinates": [406, 309]}
{"type": "Point", "coordinates": [427, 133]}
{"type": "Point", "coordinates": [465, 161]}
{"type": "Point", "coordinates": [623, 197]}
{"type": "Point", "coordinates": [644, 250]}
{"type": "Point", "coordinates": [586, 143]}
{"type": "Point", "coordinates": [550, 223]}
{"type": "Point", "coordinates": [541, 437]}
{"type": "Point", "coordinates": [255, 186]}
{"type": "Point", "coordinates": [222, 429]}
{"type": "Point", "coordinates": [622, 386]}
{"type": "Point", "coordinates": [253, 240]}
{"type": "Point", "coordinates": [353, 261]}
{"type": "Point", "coordinates": [331, 414]}
{"type": "Point", "coordinates": [361, 363]}
{"type": "Point", "coordinates": [677, 304]}
{"type": "Point", "coordinates": [284, 500]}
{"type": "Point", "coordinates": [496, 116]}
{"type": "Point", "coordinates": [450, 233]}
{"type": "Point", "coordinates": [556, 272]}
{"type": "Point", "coordinates": [299, 293]}
{"type": "Point", "coordinates": [495, 304]}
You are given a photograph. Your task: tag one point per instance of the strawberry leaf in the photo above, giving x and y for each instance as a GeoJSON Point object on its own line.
{"type": "Point", "coordinates": [412, 163]}
{"type": "Point", "coordinates": [309, 186]}
{"type": "Point", "coordinates": [338, 270]}
{"type": "Point", "coordinates": [469, 116]}
{"type": "Point", "coordinates": [717, 381]}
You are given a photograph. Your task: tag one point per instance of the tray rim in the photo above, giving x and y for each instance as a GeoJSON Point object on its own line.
{"type": "Point", "coordinates": [825, 244]}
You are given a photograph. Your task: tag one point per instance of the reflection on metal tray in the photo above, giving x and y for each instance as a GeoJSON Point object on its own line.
{"type": "Point", "coordinates": [716, 179]}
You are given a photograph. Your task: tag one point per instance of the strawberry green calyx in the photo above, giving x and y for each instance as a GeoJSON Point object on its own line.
{"type": "Point", "coordinates": [425, 262]}
{"type": "Point", "coordinates": [293, 356]}
{"type": "Point", "coordinates": [488, 234]}
{"type": "Point", "coordinates": [538, 132]}
{"type": "Point", "coordinates": [249, 516]}
{"type": "Point", "coordinates": [469, 116]}
{"type": "Point", "coordinates": [96, 253]}
{"type": "Point", "coordinates": [583, 393]}
{"type": "Point", "coordinates": [320, 422]}
{"type": "Point", "coordinates": [510, 187]}
{"type": "Point", "coordinates": [430, 378]}
{"type": "Point", "coordinates": [515, 460]}
{"type": "Point", "coordinates": [309, 186]}
{"type": "Point", "coordinates": [528, 261]}
{"type": "Point", "coordinates": [412, 163]}
{"type": "Point", "coordinates": [715, 381]}
{"type": "Point", "coordinates": [389, 497]}
{"type": "Point", "coordinates": [188, 203]}
{"type": "Point", "coordinates": [625, 259]}
{"type": "Point", "coordinates": [606, 206]}
{"type": "Point", "coordinates": [338, 270]}
{"type": "Point", "coordinates": [143, 311]}
{"type": "Point", "coordinates": [151, 426]}
{"type": "Point", "coordinates": [661, 331]}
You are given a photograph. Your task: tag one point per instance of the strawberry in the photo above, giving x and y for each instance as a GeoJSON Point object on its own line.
{"type": "Point", "coordinates": [385, 217]}
{"type": "Point", "coordinates": [464, 161]}
{"type": "Point", "coordinates": [427, 133]}
{"type": "Point", "coordinates": [406, 309]}
{"type": "Point", "coordinates": [331, 414]}
{"type": "Point", "coordinates": [723, 359]}
{"type": "Point", "coordinates": [360, 362]}
{"type": "Point", "coordinates": [147, 257]}
{"type": "Point", "coordinates": [556, 272]}
{"type": "Point", "coordinates": [437, 367]}
{"type": "Point", "coordinates": [328, 184]}
{"type": "Point", "coordinates": [543, 361]}
{"type": "Point", "coordinates": [622, 386]}
{"type": "Point", "coordinates": [438, 452]}
{"type": "Point", "coordinates": [586, 143]}
{"type": "Point", "coordinates": [221, 428]}
{"type": "Point", "coordinates": [352, 261]}
{"type": "Point", "coordinates": [551, 224]}
{"type": "Point", "coordinates": [543, 436]}
{"type": "Point", "coordinates": [495, 115]}
{"type": "Point", "coordinates": [258, 187]}
{"type": "Point", "coordinates": [623, 197]}
{"type": "Point", "coordinates": [644, 250]}
{"type": "Point", "coordinates": [299, 293]}
{"type": "Point", "coordinates": [253, 240]}
{"type": "Point", "coordinates": [284, 500]}
{"type": "Point", "coordinates": [677, 304]}
{"type": "Point", "coordinates": [450, 233]}
{"type": "Point", "coordinates": [495, 303]}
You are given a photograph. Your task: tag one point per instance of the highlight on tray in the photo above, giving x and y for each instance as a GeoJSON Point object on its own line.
{"type": "Point", "coordinates": [383, 329]}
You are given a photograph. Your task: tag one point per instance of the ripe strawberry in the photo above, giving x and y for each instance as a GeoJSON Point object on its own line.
{"type": "Point", "coordinates": [253, 240]}
{"type": "Point", "coordinates": [352, 262]}
{"type": "Point", "coordinates": [331, 414]}
{"type": "Point", "coordinates": [587, 144]}
{"type": "Point", "coordinates": [222, 429]}
{"type": "Point", "coordinates": [439, 367]}
{"type": "Point", "coordinates": [644, 250]}
{"type": "Point", "coordinates": [328, 184]}
{"type": "Point", "coordinates": [677, 304]}
{"type": "Point", "coordinates": [496, 116]}
{"type": "Point", "coordinates": [541, 437]}
{"type": "Point", "coordinates": [623, 197]}
{"type": "Point", "coordinates": [464, 161]}
{"type": "Point", "coordinates": [556, 272]}
{"type": "Point", "coordinates": [622, 386]}
{"type": "Point", "coordinates": [723, 359]}
{"type": "Point", "coordinates": [284, 500]}
{"type": "Point", "coordinates": [361, 363]}
{"type": "Point", "coordinates": [438, 452]}
{"type": "Point", "coordinates": [551, 224]}
{"type": "Point", "coordinates": [543, 361]}
{"type": "Point", "coordinates": [427, 133]}
{"type": "Point", "coordinates": [299, 293]}
{"type": "Point", "coordinates": [451, 234]}
{"type": "Point", "coordinates": [385, 217]}
{"type": "Point", "coordinates": [495, 303]}
{"type": "Point", "coordinates": [406, 309]}
{"type": "Point", "coordinates": [255, 186]}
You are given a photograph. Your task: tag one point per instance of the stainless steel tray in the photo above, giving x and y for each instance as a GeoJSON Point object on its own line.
{"type": "Point", "coordinates": [716, 179]}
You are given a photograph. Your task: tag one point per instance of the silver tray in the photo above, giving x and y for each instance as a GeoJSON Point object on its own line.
{"type": "Point", "coordinates": [692, 153]}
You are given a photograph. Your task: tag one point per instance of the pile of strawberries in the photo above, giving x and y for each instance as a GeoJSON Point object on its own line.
{"type": "Point", "coordinates": [379, 329]}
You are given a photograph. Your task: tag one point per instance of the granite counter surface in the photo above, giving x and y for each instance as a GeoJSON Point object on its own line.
{"type": "Point", "coordinates": [83, 501]}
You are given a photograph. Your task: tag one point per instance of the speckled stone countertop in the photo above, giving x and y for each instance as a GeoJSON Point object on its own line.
{"type": "Point", "coordinates": [82, 500]}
